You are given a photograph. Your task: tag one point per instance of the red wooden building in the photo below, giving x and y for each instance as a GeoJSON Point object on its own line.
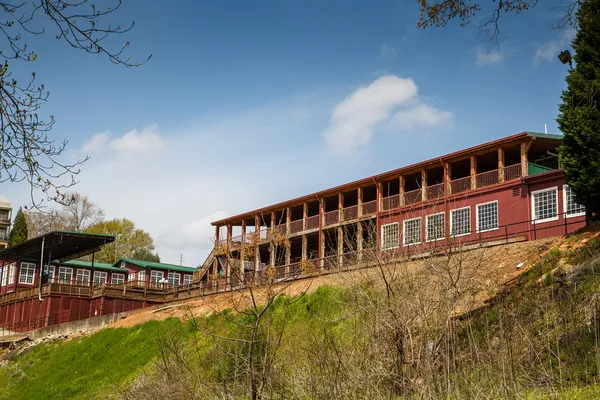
{"type": "Point", "coordinates": [505, 190]}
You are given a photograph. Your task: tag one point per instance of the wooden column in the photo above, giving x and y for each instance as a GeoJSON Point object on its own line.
{"type": "Point", "coordinates": [304, 215]}
{"type": "Point", "coordinates": [304, 247]}
{"type": "Point", "coordinates": [524, 161]}
{"type": "Point", "coordinates": [272, 252]}
{"type": "Point", "coordinates": [256, 241]}
{"type": "Point", "coordinates": [378, 186]}
{"type": "Point", "coordinates": [322, 211]}
{"type": "Point", "coordinates": [401, 197]}
{"type": "Point", "coordinates": [288, 220]}
{"type": "Point", "coordinates": [473, 172]}
{"type": "Point", "coordinates": [359, 201]}
{"type": "Point", "coordinates": [448, 179]}
{"type": "Point", "coordinates": [340, 245]}
{"type": "Point", "coordinates": [423, 184]}
{"type": "Point", "coordinates": [321, 235]}
{"type": "Point", "coordinates": [340, 207]}
{"type": "Point", "coordinates": [228, 257]}
{"type": "Point", "coordinates": [500, 165]}
{"type": "Point", "coordinates": [243, 259]}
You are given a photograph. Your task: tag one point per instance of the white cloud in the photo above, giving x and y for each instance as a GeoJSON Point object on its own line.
{"type": "Point", "coordinates": [486, 58]}
{"type": "Point", "coordinates": [549, 51]}
{"type": "Point", "coordinates": [388, 51]}
{"type": "Point", "coordinates": [355, 119]}
{"type": "Point", "coordinates": [421, 115]}
{"type": "Point", "coordinates": [131, 142]}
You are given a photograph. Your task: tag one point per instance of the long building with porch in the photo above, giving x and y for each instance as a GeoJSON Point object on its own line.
{"type": "Point", "coordinates": [506, 190]}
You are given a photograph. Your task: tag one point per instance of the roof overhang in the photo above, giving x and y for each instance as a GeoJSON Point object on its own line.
{"type": "Point", "coordinates": [60, 245]}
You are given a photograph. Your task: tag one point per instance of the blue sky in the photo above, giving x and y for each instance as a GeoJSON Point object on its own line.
{"type": "Point", "coordinates": [247, 103]}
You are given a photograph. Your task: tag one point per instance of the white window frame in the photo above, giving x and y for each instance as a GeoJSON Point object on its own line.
{"type": "Point", "coordinates": [123, 264]}
{"type": "Point", "coordinates": [188, 279]}
{"type": "Point", "coordinates": [533, 213]}
{"type": "Point", "coordinates": [477, 230]}
{"type": "Point", "coordinates": [427, 227]}
{"type": "Point", "coordinates": [566, 205]}
{"type": "Point", "coordinates": [404, 231]}
{"type": "Point", "coordinates": [63, 271]}
{"type": "Point", "coordinates": [26, 273]}
{"type": "Point", "coordinates": [5, 275]}
{"type": "Point", "coordinates": [452, 225]}
{"type": "Point", "coordinates": [154, 276]}
{"type": "Point", "coordinates": [131, 277]}
{"type": "Point", "coordinates": [142, 278]}
{"type": "Point", "coordinates": [119, 281]}
{"type": "Point", "coordinates": [82, 275]}
{"type": "Point", "coordinates": [172, 275]}
{"type": "Point", "coordinates": [383, 236]}
{"type": "Point", "coordinates": [99, 277]}
{"type": "Point", "coordinates": [12, 268]}
{"type": "Point", "coordinates": [50, 276]}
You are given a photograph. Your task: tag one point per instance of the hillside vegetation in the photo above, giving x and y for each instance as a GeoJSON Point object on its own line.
{"type": "Point", "coordinates": [406, 334]}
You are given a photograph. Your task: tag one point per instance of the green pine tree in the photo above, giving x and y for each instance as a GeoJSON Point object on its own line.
{"type": "Point", "coordinates": [579, 112]}
{"type": "Point", "coordinates": [18, 234]}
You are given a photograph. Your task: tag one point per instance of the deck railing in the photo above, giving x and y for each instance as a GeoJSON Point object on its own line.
{"type": "Point", "coordinates": [312, 222]}
{"type": "Point", "coordinates": [370, 207]}
{"type": "Point", "coordinates": [390, 202]}
{"type": "Point", "coordinates": [512, 172]}
{"type": "Point", "coordinates": [296, 226]}
{"type": "Point", "coordinates": [435, 191]}
{"type": "Point", "coordinates": [331, 217]}
{"type": "Point", "coordinates": [460, 185]}
{"type": "Point", "coordinates": [350, 212]}
{"type": "Point", "coordinates": [487, 178]}
{"type": "Point", "coordinates": [413, 196]}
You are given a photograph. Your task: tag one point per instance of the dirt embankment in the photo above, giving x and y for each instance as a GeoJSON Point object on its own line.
{"type": "Point", "coordinates": [489, 270]}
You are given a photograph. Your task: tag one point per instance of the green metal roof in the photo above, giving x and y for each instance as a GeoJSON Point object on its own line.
{"type": "Point", "coordinates": [97, 265]}
{"type": "Point", "coordinates": [545, 135]}
{"type": "Point", "coordinates": [149, 264]}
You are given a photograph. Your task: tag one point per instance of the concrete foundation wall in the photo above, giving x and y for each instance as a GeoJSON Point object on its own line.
{"type": "Point", "coordinates": [84, 325]}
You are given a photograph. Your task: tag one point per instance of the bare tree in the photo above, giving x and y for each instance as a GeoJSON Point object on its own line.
{"type": "Point", "coordinates": [81, 212]}
{"type": "Point", "coordinates": [27, 152]}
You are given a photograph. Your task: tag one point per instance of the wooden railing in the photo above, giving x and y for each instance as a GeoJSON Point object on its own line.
{"type": "Point", "coordinates": [370, 207]}
{"type": "Point", "coordinates": [331, 217]}
{"type": "Point", "coordinates": [350, 212]}
{"type": "Point", "coordinates": [412, 197]}
{"type": "Point", "coordinates": [296, 226]}
{"type": "Point", "coordinates": [435, 191]}
{"type": "Point", "coordinates": [512, 172]}
{"type": "Point", "coordinates": [460, 185]}
{"type": "Point", "coordinates": [390, 202]}
{"type": "Point", "coordinates": [312, 222]}
{"type": "Point", "coordinates": [487, 178]}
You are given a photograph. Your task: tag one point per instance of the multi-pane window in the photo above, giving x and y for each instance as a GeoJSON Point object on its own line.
{"type": "Point", "coordinates": [173, 278]}
{"type": "Point", "coordinates": [390, 236]}
{"type": "Point", "coordinates": [435, 226]}
{"type": "Point", "coordinates": [187, 279]}
{"type": "Point", "coordinates": [27, 273]}
{"type": "Point", "coordinates": [487, 216]}
{"type": "Point", "coordinates": [572, 208]}
{"type": "Point", "coordinates": [156, 277]}
{"type": "Point", "coordinates": [131, 277]}
{"type": "Point", "coordinates": [11, 273]}
{"type": "Point", "coordinates": [545, 205]}
{"type": "Point", "coordinates": [100, 277]}
{"type": "Point", "coordinates": [65, 274]}
{"type": "Point", "coordinates": [4, 275]}
{"type": "Point", "coordinates": [117, 279]}
{"type": "Point", "coordinates": [412, 231]}
{"type": "Point", "coordinates": [460, 221]}
{"type": "Point", "coordinates": [49, 271]}
{"type": "Point", "coordinates": [83, 276]}
{"type": "Point", "coordinates": [142, 278]}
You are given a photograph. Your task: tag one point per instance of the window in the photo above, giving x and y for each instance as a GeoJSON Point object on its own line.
{"type": "Point", "coordinates": [117, 279]}
{"type": "Point", "coordinates": [187, 279]}
{"type": "Point", "coordinates": [156, 277]}
{"type": "Point", "coordinates": [487, 216]}
{"type": "Point", "coordinates": [390, 236]}
{"type": "Point", "coordinates": [131, 277]}
{"type": "Point", "coordinates": [100, 277]}
{"type": "Point", "coordinates": [123, 264]}
{"type": "Point", "coordinates": [174, 278]}
{"type": "Point", "coordinates": [435, 226]}
{"type": "Point", "coordinates": [142, 278]}
{"type": "Point", "coordinates": [412, 231]}
{"type": "Point", "coordinates": [5, 275]}
{"type": "Point", "coordinates": [49, 271]}
{"type": "Point", "coordinates": [544, 204]}
{"type": "Point", "coordinates": [65, 274]}
{"type": "Point", "coordinates": [11, 273]}
{"type": "Point", "coordinates": [460, 221]}
{"type": "Point", "coordinates": [27, 273]}
{"type": "Point", "coordinates": [572, 208]}
{"type": "Point", "coordinates": [83, 276]}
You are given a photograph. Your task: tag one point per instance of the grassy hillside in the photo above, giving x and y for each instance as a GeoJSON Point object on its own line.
{"type": "Point", "coordinates": [385, 338]}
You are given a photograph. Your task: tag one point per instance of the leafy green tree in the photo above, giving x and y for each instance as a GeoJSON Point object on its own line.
{"type": "Point", "coordinates": [579, 112]}
{"type": "Point", "coordinates": [146, 255]}
{"type": "Point", "coordinates": [19, 230]}
{"type": "Point", "coordinates": [128, 240]}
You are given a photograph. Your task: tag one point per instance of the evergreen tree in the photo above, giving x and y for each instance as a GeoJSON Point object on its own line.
{"type": "Point", "coordinates": [579, 113]}
{"type": "Point", "coordinates": [18, 234]}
